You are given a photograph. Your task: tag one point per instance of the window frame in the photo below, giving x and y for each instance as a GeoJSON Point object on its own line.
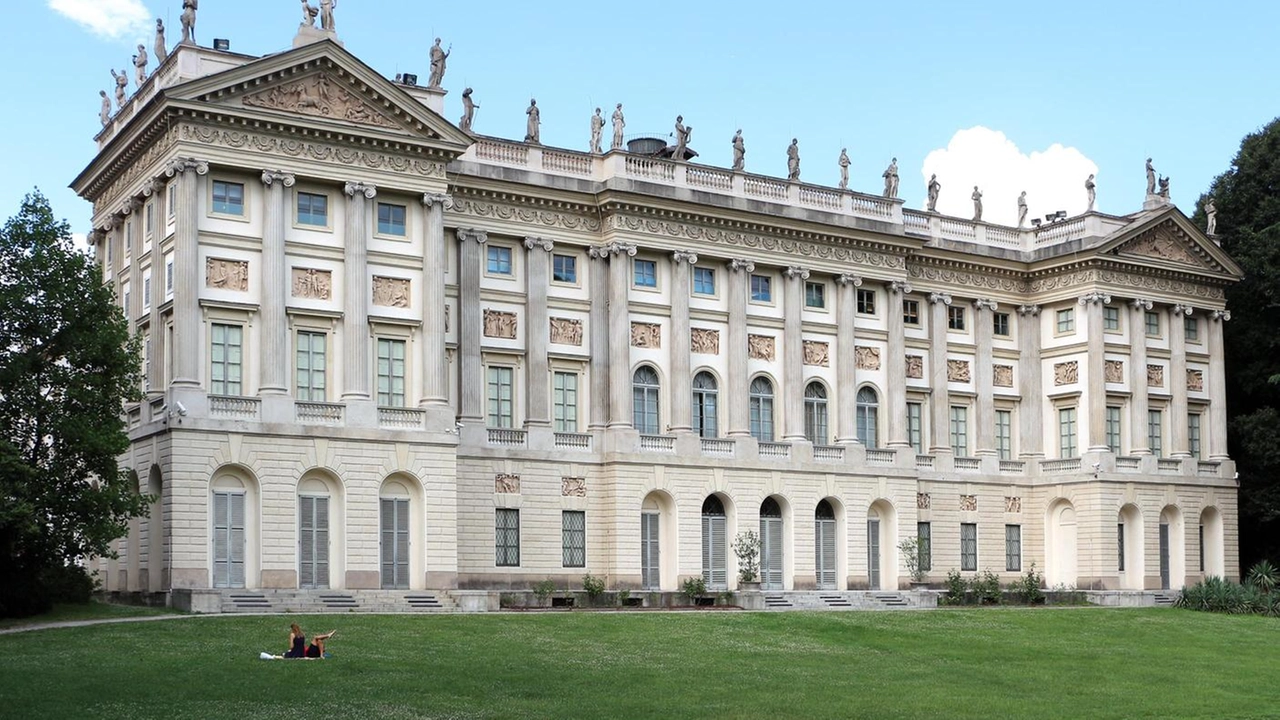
{"type": "Point", "coordinates": [494, 260]}
{"type": "Point", "coordinates": [310, 390]}
{"type": "Point", "coordinates": [1191, 330]}
{"type": "Point", "coordinates": [910, 312]}
{"type": "Point", "coordinates": [573, 261]}
{"type": "Point", "coordinates": [1064, 321]}
{"type": "Point", "coordinates": [915, 426]}
{"type": "Point", "coordinates": [494, 414]}
{"type": "Point", "coordinates": [227, 385]}
{"type": "Point", "coordinates": [223, 213]}
{"type": "Point", "coordinates": [758, 420]}
{"type": "Point", "coordinates": [968, 547]}
{"type": "Point", "coordinates": [1195, 427]}
{"type": "Point", "coordinates": [865, 298]}
{"type": "Point", "coordinates": [649, 276]}
{"type": "Point", "coordinates": [1155, 431]}
{"type": "Point", "coordinates": [694, 280]}
{"type": "Point", "coordinates": [506, 525]}
{"type": "Point", "coordinates": [573, 539]}
{"type": "Point", "coordinates": [766, 284]}
{"type": "Point", "coordinates": [1000, 325]}
{"type": "Point", "coordinates": [867, 417]}
{"type": "Point", "coordinates": [815, 289]}
{"type": "Point", "coordinates": [1068, 432]}
{"type": "Point", "coordinates": [299, 223]}
{"type": "Point", "coordinates": [956, 318]}
{"type": "Point", "coordinates": [1004, 440]}
{"type": "Point", "coordinates": [1111, 319]}
{"type": "Point", "coordinates": [958, 426]}
{"type": "Point", "coordinates": [1151, 319]}
{"type": "Point", "coordinates": [1012, 547]}
{"type": "Point", "coordinates": [404, 221]}
{"type": "Point", "coordinates": [650, 395]}
{"type": "Point", "coordinates": [699, 406]}
{"type": "Point", "coordinates": [391, 375]}
{"type": "Point", "coordinates": [817, 419]}
{"type": "Point", "coordinates": [1113, 430]}
{"type": "Point", "coordinates": [562, 405]}
{"type": "Point", "coordinates": [924, 545]}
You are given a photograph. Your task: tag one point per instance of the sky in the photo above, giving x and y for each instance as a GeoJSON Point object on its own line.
{"type": "Point", "coordinates": [1008, 96]}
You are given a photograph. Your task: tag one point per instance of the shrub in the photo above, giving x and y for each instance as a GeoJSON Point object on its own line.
{"type": "Point", "coordinates": [955, 587]}
{"type": "Point", "coordinates": [593, 586]}
{"type": "Point", "coordinates": [910, 549]}
{"type": "Point", "coordinates": [747, 547]}
{"type": "Point", "coordinates": [987, 588]}
{"type": "Point", "coordinates": [1027, 588]}
{"type": "Point", "coordinates": [623, 596]}
{"type": "Point", "coordinates": [543, 590]}
{"type": "Point", "coordinates": [1264, 576]}
{"type": "Point", "coordinates": [694, 588]}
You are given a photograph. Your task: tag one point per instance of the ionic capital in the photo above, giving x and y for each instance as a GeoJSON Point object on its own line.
{"type": "Point", "coordinates": [688, 256]}
{"type": "Point", "coordinates": [620, 248]}
{"type": "Point", "coordinates": [273, 176]}
{"type": "Point", "coordinates": [532, 242]}
{"type": "Point", "coordinates": [93, 237]}
{"type": "Point", "coordinates": [937, 297]}
{"type": "Point", "coordinates": [1141, 304]}
{"type": "Point", "coordinates": [177, 166]}
{"type": "Point", "coordinates": [153, 187]}
{"type": "Point", "coordinates": [1095, 297]}
{"type": "Point", "coordinates": [986, 304]}
{"type": "Point", "coordinates": [369, 190]}
{"type": "Point", "coordinates": [849, 279]}
{"type": "Point", "coordinates": [741, 265]}
{"type": "Point", "coordinates": [900, 287]}
{"type": "Point", "coordinates": [465, 234]}
{"type": "Point", "coordinates": [796, 272]}
{"type": "Point", "coordinates": [1220, 315]}
{"type": "Point", "coordinates": [444, 200]}
{"type": "Point", "coordinates": [1183, 310]}
{"type": "Point", "coordinates": [1032, 310]}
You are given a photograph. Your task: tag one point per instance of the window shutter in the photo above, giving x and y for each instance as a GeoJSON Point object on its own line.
{"type": "Point", "coordinates": [388, 527]}
{"type": "Point", "coordinates": [873, 554]}
{"type": "Point", "coordinates": [322, 542]}
{"type": "Point", "coordinates": [771, 552]}
{"type": "Point", "coordinates": [649, 564]}
{"type": "Point", "coordinates": [402, 543]}
{"type": "Point", "coordinates": [306, 542]}
{"type": "Point", "coordinates": [221, 540]}
{"type": "Point", "coordinates": [719, 546]}
{"type": "Point", "coordinates": [237, 541]}
{"type": "Point", "coordinates": [825, 547]}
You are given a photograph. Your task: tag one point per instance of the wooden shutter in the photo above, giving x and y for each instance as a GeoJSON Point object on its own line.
{"type": "Point", "coordinates": [873, 554]}
{"type": "Point", "coordinates": [714, 545]}
{"type": "Point", "coordinates": [237, 540]}
{"type": "Point", "coordinates": [1164, 556]}
{"type": "Point", "coordinates": [221, 540]}
{"type": "Point", "coordinates": [649, 562]}
{"type": "Point", "coordinates": [387, 520]}
{"type": "Point", "coordinates": [825, 553]}
{"type": "Point", "coordinates": [306, 542]}
{"type": "Point", "coordinates": [771, 552]}
{"type": "Point", "coordinates": [321, 533]}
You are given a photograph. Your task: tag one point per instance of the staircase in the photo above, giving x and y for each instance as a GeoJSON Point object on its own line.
{"type": "Point", "coordinates": [891, 601]}
{"type": "Point", "coordinates": [1163, 599]}
{"type": "Point", "coordinates": [245, 602]}
{"type": "Point", "coordinates": [336, 601]}
{"type": "Point", "coordinates": [777, 601]}
{"type": "Point", "coordinates": [836, 602]}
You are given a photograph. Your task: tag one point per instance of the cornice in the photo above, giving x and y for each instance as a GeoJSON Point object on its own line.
{"type": "Point", "coordinates": [547, 212]}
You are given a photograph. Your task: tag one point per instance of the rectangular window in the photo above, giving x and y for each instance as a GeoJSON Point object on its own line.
{"type": "Point", "coordinates": [146, 362]}
{"type": "Point", "coordinates": [1153, 324]}
{"type": "Point", "coordinates": [171, 197]}
{"type": "Point", "coordinates": [1067, 320]}
{"type": "Point", "coordinates": [168, 276]}
{"type": "Point", "coordinates": [311, 366]}
{"type": "Point", "coordinates": [1067, 433]}
{"type": "Point", "coordinates": [1004, 434]}
{"type": "Point", "coordinates": [915, 429]}
{"type": "Point", "coordinates": [968, 546]}
{"type": "Point", "coordinates": [955, 318]}
{"type": "Point", "coordinates": [1000, 324]}
{"type": "Point", "coordinates": [960, 431]}
{"type": "Point", "coordinates": [128, 239]}
{"type": "Point", "coordinates": [146, 293]}
{"type": "Point", "coordinates": [573, 533]}
{"type": "Point", "coordinates": [924, 545]}
{"type": "Point", "coordinates": [1013, 548]}
{"type": "Point", "coordinates": [866, 301]}
{"type": "Point", "coordinates": [1110, 318]}
{"type": "Point", "coordinates": [1120, 547]}
{"type": "Point", "coordinates": [815, 295]}
{"type": "Point", "coordinates": [127, 301]}
{"type": "Point", "coordinates": [501, 394]}
{"type": "Point", "coordinates": [225, 352]}
{"type": "Point", "coordinates": [150, 222]}
{"type": "Point", "coordinates": [497, 260]}
{"type": "Point", "coordinates": [910, 312]}
{"type": "Point", "coordinates": [646, 273]}
{"type": "Point", "coordinates": [761, 288]}
{"type": "Point", "coordinates": [1201, 548]}
{"type": "Point", "coordinates": [1155, 432]}
{"type": "Point", "coordinates": [313, 209]}
{"type": "Point", "coordinates": [564, 268]}
{"type": "Point", "coordinates": [1193, 435]}
{"type": "Point", "coordinates": [391, 219]}
{"type": "Point", "coordinates": [1192, 329]}
{"type": "Point", "coordinates": [565, 399]}
{"type": "Point", "coordinates": [228, 198]}
{"type": "Point", "coordinates": [1113, 429]}
{"type": "Point", "coordinates": [391, 373]}
{"type": "Point", "coordinates": [704, 281]}
{"type": "Point", "coordinates": [506, 537]}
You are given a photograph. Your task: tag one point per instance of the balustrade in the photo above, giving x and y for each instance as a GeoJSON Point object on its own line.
{"type": "Point", "coordinates": [508, 437]}
{"type": "Point", "coordinates": [658, 443]}
{"type": "Point", "coordinates": [237, 407]}
{"type": "Point", "coordinates": [573, 441]}
{"type": "Point", "coordinates": [318, 413]}
{"type": "Point", "coordinates": [717, 446]}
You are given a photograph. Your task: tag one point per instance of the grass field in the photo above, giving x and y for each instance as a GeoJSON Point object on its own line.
{"type": "Point", "coordinates": [1045, 663]}
{"type": "Point", "coordinates": [88, 611]}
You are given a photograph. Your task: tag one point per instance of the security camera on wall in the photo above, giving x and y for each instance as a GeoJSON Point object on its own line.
{"type": "Point", "coordinates": [182, 409]}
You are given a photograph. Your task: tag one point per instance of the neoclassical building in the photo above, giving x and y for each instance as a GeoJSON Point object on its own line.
{"type": "Point", "coordinates": [384, 353]}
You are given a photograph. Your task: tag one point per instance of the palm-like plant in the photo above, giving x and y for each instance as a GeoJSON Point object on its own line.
{"type": "Point", "coordinates": [1264, 577]}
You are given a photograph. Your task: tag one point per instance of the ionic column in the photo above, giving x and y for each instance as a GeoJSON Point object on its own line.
{"type": "Point", "coordinates": [793, 354]}
{"type": "Point", "coordinates": [1094, 362]}
{"type": "Point", "coordinates": [598, 325]}
{"type": "Point", "coordinates": [620, 334]}
{"type": "Point", "coordinates": [896, 366]}
{"type": "Point", "coordinates": [846, 358]}
{"type": "Point", "coordinates": [274, 368]}
{"type": "Point", "coordinates": [939, 404]}
{"type": "Point", "coordinates": [1030, 420]}
{"type": "Point", "coordinates": [680, 381]}
{"type": "Point", "coordinates": [983, 310]}
{"type": "Point", "coordinates": [186, 271]}
{"type": "Point", "coordinates": [134, 311]}
{"type": "Point", "coordinates": [1178, 432]}
{"type": "Point", "coordinates": [156, 356]}
{"type": "Point", "coordinates": [435, 368]}
{"type": "Point", "coordinates": [739, 417]}
{"type": "Point", "coordinates": [1217, 387]}
{"type": "Point", "coordinates": [355, 293]}
{"type": "Point", "coordinates": [538, 398]}
{"type": "Point", "coordinates": [1138, 441]}
{"type": "Point", "coordinates": [470, 325]}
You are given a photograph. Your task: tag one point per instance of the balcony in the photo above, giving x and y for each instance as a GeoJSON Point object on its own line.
{"type": "Point", "coordinates": [402, 418]}
{"type": "Point", "coordinates": [658, 443]}
{"type": "Point", "coordinates": [507, 437]}
{"type": "Point", "coordinates": [1013, 466]}
{"type": "Point", "coordinates": [924, 462]}
{"type": "Point", "coordinates": [828, 453]}
{"type": "Point", "coordinates": [967, 464]}
{"type": "Point", "coordinates": [319, 413]}
{"type": "Point", "coordinates": [573, 441]}
{"type": "Point", "coordinates": [233, 407]}
{"type": "Point", "coordinates": [775, 451]}
{"type": "Point", "coordinates": [1065, 465]}
{"type": "Point", "coordinates": [718, 447]}
{"type": "Point", "coordinates": [880, 457]}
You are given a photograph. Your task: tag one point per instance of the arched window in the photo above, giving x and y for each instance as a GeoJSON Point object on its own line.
{"type": "Point", "coordinates": [705, 408]}
{"type": "Point", "coordinates": [762, 409]}
{"type": "Point", "coordinates": [868, 411]}
{"type": "Point", "coordinates": [824, 545]}
{"type": "Point", "coordinates": [815, 414]}
{"type": "Point", "coordinates": [714, 543]}
{"type": "Point", "coordinates": [644, 394]}
{"type": "Point", "coordinates": [771, 544]}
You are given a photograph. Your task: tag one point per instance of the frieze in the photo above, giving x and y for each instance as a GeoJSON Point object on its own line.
{"type": "Point", "coordinates": [1155, 376]}
{"type": "Point", "coordinates": [499, 324]}
{"type": "Point", "coordinates": [704, 341]}
{"type": "Point", "coordinates": [958, 371]}
{"type": "Point", "coordinates": [868, 358]}
{"type": "Point", "coordinates": [532, 215]}
{"type": "Point", "coordinates": [390, 292]}
{"type": "Point", "coordinates": [816, 353]}
{"type": "Point", "coordinates": [968, 503]}
{"type": "Point", "coordinates": [962, 277]}
{"type": "Point", "coordinates": [573, 487]}
{"type": "Point", "coordinates": [1160, 284]}
{"type": "Point", "coordinates": [1063, 280]}
{"type": "Point", "coordinates": [646, 335]}
{"type": "Point", "coordinates": [923, 501]}
{"type": "Point", "coordinates": [1195, 381]}
{"type": "Point", "coordinates": [1113, 371]}
{"type": "Point", "coordinates": [915, 366]}
{"type": "Point", "coordinates": [1002, 375]}
{"type": "Point", "coordinates": [226, 274]}
{"type": "Point", "coordinates": [312, 284]}
{"type": "Point", "coordinates": [566, 331]}
{"type": "Point", "coordinates": [324, 152]}
{"type": "Point", "coordinates": [1012, 504]}
{"type": "Point", "coordinates": [321, 96]}
{"type": "Point", "coordinates": [506, 484]}
{"type": "Point", "coordinates": [760, 347]}
{"type": "Point", "coordinates": [1066, 373]}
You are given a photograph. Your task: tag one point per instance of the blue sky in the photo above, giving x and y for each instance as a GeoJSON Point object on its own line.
{"type": "Point", "coordinates": [1118, 81]}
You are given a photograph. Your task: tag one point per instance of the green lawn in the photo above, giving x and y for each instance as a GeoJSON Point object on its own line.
{"type": "Point", "coordinates": [87, 611]}
{"type": "Point", "coordinates": [1045, 663]}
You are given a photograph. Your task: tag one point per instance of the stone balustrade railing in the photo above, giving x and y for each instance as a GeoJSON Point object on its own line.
{"type": "Point", "coordinates": [241, 408]}
{"type": "Point", "coordinates": [880, 457]}
{"type": "Point", "coordinates": [392, 417]}
{"type": "Point", "coordinates": [658, 443]}
{"type": "Point", "coordinates": [319, 413]}
{"type": "Point", "coordinates": [509, 437]}
{"type": "Point", "coordinates": [775, 451]}
{"type": "Point", "coordinates": [828, 453]}
{"type": "Point", "coordinates": [718, 446]}
{"type": "Point", "coordinates": [573, 441]}
{"type": "Point", "coordinates": [971, 464]}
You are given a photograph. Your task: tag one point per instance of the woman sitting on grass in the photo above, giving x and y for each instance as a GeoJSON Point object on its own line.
{"type": "Point", "coordinates": [298, 647]}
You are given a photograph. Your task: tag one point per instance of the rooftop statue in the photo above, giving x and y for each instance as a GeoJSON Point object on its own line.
{"type": "Point", "coordinates": [1211, 218]}
{"type": "Point", "coordinates": [739, 150]}
{"type": "Point", "coordinates": [1151, 178]}
{"type": "Point", "coordinates": [468, 111]}
{"type": "Point", "coordinates": [597, 131]}
{"type": "Point", "coordinates": [1092, 188]}
{"type": "Point", "coordinates": [619, 122]}
{"type": "Point", "coordinates": [682, 134]}
{"type": "Point", "coordinates": [533, 124]}
{"type": "Point", "coordinates": [844, 169]}
{"type": "Point", "coordinates": [934, 188]}
{"type": "Point", "coordinates": [140, 65]}
{"type": "Point", "coordinates": [189, 8]}
{"type": "Point", "coordinates": [309, 13]}
{"type": "Point", "coordinates": [1164, 187]}
{"type": "Point", "coordinates": [977, 204]}
{"type": "Point", "coordinates": [161, 50]}
{"type": "Point", "coordinates": [122, 83]}
{"type": "Point", "coordinates": [104, 112]}
{"type": "Point", "coordinates": [793, 160]}
{"type": "Point", "coordinates": [438, 58]}
{"type": "Point", "coordinates": [891, 179]}
{"type": "Point", "coordinates": [1022, 209]}
{"type": "Point", "coordinates": [326, 14]}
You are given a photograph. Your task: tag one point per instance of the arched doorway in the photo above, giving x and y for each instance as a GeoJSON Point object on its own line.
{"type": "Point", "coordinates": [234, 524]}
{"type": "Point", "coordinates": [1173, 562]}
{"type": "Point", "coordinates": [1131, 562]}
{"type": "Point", "coordinates": [399, 520]}
{"type": "Point", "coordinates": [1060, 544]}
{"type": "Point", "coordinates": [882, 563]}
{"type": "Point", "coordinates": [658, 542]}
{"type": "Point", "coordinates": [1212, 557]}
{"type": "Point", "coordinates": [825, 562]}
{"type": "Point", "coordinates": [771, 544]}
{"type": "Point", "coordinates": [155, 531]}
{"type": "Point", "coordinates": [320, 531]}
{"type": "Point", "coordinates": [715, 544]}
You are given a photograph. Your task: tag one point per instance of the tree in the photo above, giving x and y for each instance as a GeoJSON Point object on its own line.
{"type": "Point", "coordinates": [67, 365]}
{"type": "Point", "coordinates": [1247, 197]}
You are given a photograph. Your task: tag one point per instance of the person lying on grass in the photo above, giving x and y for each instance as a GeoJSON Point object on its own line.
{"type": "Point", "coordinates": [298, 647]}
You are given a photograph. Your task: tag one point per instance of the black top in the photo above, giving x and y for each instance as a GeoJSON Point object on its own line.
{"type": "Point", "coordinates": [299, 647]}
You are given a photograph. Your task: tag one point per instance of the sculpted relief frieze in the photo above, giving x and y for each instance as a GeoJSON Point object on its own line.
{"type": "Point", "coordinates": [968, 503]}
{"type": "Point", "coordinates": [961, 277]}
{"type": "Point", "coordinates": [1155, 376]}
{"type": "Point", "coordinates": [390, 292]}
{"type": "Point", "coordinates": [306, 149]}
{"type": "Point", "coordinates": [704, 341]}
{"type": "Point", "coordinates": [868, 358]}
{"type": "Point", "coordinates": [816, 353]}
{"type": "Point", "coordinates": [1195, 381]}
{"type": "Point", "coordinates": [321, 96]}
{"type": "Point", "coordinates": [564, 220]}
{"type": "Point", "coordinates": [1002, 375]}
{"type": "Point", "coordinates": [915, 366]}
{"type": "Point", "coordinates": [646, 335]}
{"type": "Point", "coordinates": [506, 484]}
{"type": "Point", "coordinates": [760, 347]}
{"type": "Point", "coordinates": [1066, 373]}
{"type": "Point", "coordinates": [1160, 243]}
{"type": "Point", "coordinates": [566, 331]}
{"type": "Point", "coordinates": [1113, 371]}
{"type": "Point", "coordinates": [958, 371]}
{"type": "Point", "coordinates": [573, 486]}
{"type": "Point", "coordinates": [923, 501]}
{"type": "Point", "coordinates": [226, 274]}
{"type": "Point", "coordinates": [312, 284]}
{"type": "Point", "coordinates": [499, 324]}
{"type": "Point", "coordinates": [1012, 504]}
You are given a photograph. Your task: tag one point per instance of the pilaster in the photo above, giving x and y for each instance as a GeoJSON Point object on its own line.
{"type": "Point", "coordinates": [538, 398]}
{"type": "Point", "coordinates": [939, 405]}
{"type": "Point", "coordinates": [598, 339]}
{"type": "Point", "coordinates": [984, 311]}
{"type": "Point", "coordinates": [355, 295]}
{"type": "Point", "coordinates": [793, 355]}
{"type": "Point", "coordinates": [739, 421]}
{"type": "Point", "coordinates": [896, 366]}
{"type": "Point", "coordinates": [620, 334]}
{"type": "Point", "coordinates": [846, 389]}
{"type": "Point", "coordinates": [1217, 387]}
{"type": "Point", "coordinates": [1138, 441]}
{"type": "Point", "coordinates": [1030, 412]}
{"type": "Point", "coordinates": [274, 368]}
{"type": "Point", "coordinates": [187, 350]}
{"type": "Point", "coordinates": [680, 381]}
{"type": "Point", "coordinates": [1096, 382]}
{"type": "Point", "coordinates": [1178, 432]}
{"type": "Point", "coordinates": [435, 369]}
{"type": "Point", "coordinates": [470, 325]}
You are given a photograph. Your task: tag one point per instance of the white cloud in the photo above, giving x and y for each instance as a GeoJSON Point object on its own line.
{"type": "Point", "coordinates": [1053, 178]}
{"type": "Point", "coordinates": [111, 19]}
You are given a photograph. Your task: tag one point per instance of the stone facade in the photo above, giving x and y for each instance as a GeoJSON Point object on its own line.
{"type": "Point", "coordinates": [453, 348]}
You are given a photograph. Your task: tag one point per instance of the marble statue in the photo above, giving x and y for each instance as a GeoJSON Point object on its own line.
{"type": "Point", "coordinates": [1151, 178]}
{"type": "Point", "coordinates": [140, 65]}
{"type": "Point", "coordinates": [844, 169]}
{"type": "Point", "coordinates": [161, 49]}
{"type": "Point", "coordinates": [1164, 187]}
{"type": "Point", "coordinates": [122, 84]}
{"type": "Point", "coordinates": [1022, 209]}
{"type": "Point", "coordinates": [977, 204]}
{"type": "Point", "coordinates": [597, 131]}
{"type": "Point", "coordinates": [438, 58]}
{"type": "Point", "coordinates": [1211, 218]}
{"type": "Point", "coordinates": [739, 150]}
{"type": "Point", "coordinates": [326, 14]}
{"type": "Point", "coordinates": [891, 179]}
{"type": "Point", "coordinates": [189, 8]}
{"type": "Point", "coordinates": [793, 160]}
{"type": "Point", "coordinates": [468, 111]}
{"type": "Point", "coordinates": [533, 124]}
{"type": "Point", "coordinates": [682, 134]}
{"type": "Point", "coordinates": [1092, 188]}
{"type": "Point", "coordinates": [309, 13]}
{"type": "Point", "coordinates": [934, 188]}
{"type": "Point", "coordinates": [619, 122]}
{"type": "Point", "coordinates": [104, 113]}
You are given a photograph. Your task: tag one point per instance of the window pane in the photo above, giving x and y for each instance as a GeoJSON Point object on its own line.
{"type": "Point", "coordinates": [506, 539]}
{"type": "Point", "coordinates": [866, 301]}
{"type": "Point", "coordinates": [911, 312]}
{"type": "Point", "coordinates": [968, 546]}
{"type": "Point", "coordinates": [815, 295]}
{"type": "Point", "coordinates": [1004, 441]}
{"type": "Point", "coordinates": [924, 539]}
{"type": "Point", "coordinates": [564, 268]}
{"type": "Point", "coordinates": [391, 219]}
{"type": "Point", "coordinates": [565, 391]}
{"type": "Point", "coordinates": [1113, 429]}
{"type": "Point", "coordinates": [498, 260]}
{"type": "Point", "coordinates": [704, 281]}
{"type": "Point", "coordinates": [915, 434]}
{"type": "Point", "coordinates": [573, 524]}
{"type": "Point", "coordinates": [960, 431]}
{"type": "Point", "coordinates": [391, 373]}
{"type": "Point", "coordinates": [311, 366]}
{"type": "Point", "coordinates": [761, 288]}
{"type": "Point", "coordinates": [1013, 548]}
{"type": "Point", "coordinates": [646, 273]}
{"type": "Point", "coordinates": [1067, 433]}
{"type": "Point", "coordinates": [313, 209]}
{"type": "Point", "coordinates": [225, 358]}
{"type": "Point", "coordinates": [228, 198]}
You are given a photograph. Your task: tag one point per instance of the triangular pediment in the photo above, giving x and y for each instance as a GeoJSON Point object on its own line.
{"type": "Point", "coordinates": [321, 83]}
{"type": "Point", "coordinates": [1170, 240]}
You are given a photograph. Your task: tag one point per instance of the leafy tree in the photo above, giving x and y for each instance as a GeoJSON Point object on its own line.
{"type": "Point", "coordinates": [67, 365]}
{"type": "Point", "coordinates": [1247, 197]}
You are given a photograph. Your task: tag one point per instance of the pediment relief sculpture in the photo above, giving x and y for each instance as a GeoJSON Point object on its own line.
{"type": "Point", "coordinates": [321, 96]}
{"type": "Point", "coordinates": [1162, 243]}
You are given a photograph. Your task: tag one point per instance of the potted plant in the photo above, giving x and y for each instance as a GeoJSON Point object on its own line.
{"type": "Point", "coordinates": [747, 547]}
{"type": "Point", "coordinates": [910, 549]}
